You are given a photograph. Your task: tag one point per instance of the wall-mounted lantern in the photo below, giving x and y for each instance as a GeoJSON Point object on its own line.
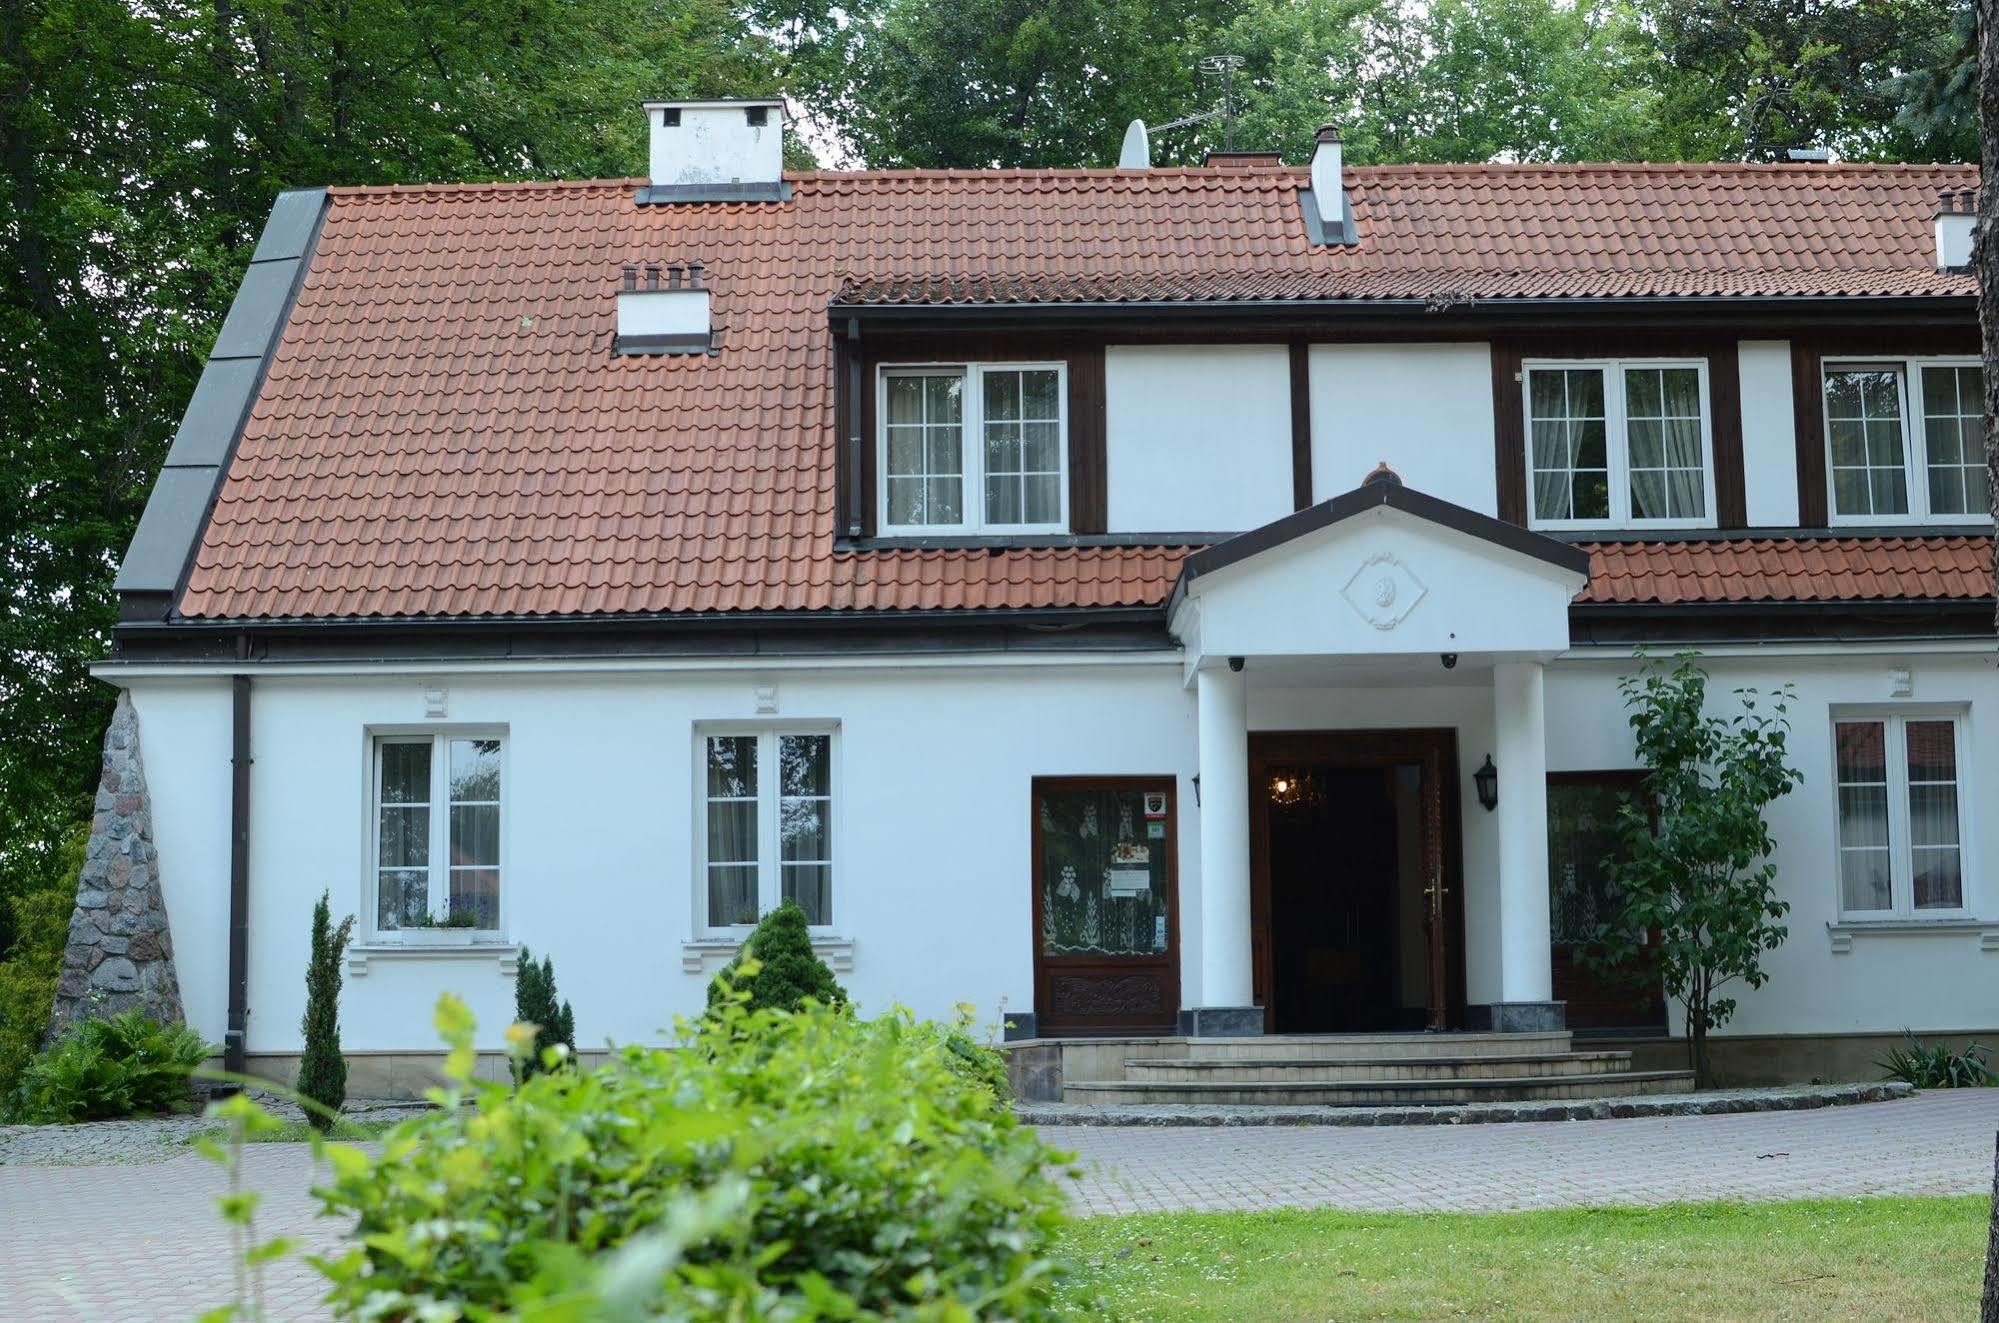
{"type": "Point", "coordinates": [1486, 778]}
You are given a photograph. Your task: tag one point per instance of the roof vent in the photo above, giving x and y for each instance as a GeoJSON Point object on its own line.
{"type": "Point", "coordinates": [663, 309]}
{"type": "Point", "coordinates": [1957, 213]}
{"type": "Point", "coordinates": [1328, 218]}
{"type": "Point", "coordinates": [716, 151]}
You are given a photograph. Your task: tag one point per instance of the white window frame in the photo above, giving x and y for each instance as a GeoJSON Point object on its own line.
{"type": "Point", "coordinates": [1617, 441]}
{"type": "Point", "coordinates": [439, 738]}
{"type": "Point", "coordinates": [1901, 856]}
{"type": "Point", "coordinates": [770, 869]}
{"type": "Point", "coordinates": [1915, 440]}
{"type": "Point", "coordinates": [971, 444]}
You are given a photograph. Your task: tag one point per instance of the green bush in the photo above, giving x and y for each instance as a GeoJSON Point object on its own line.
{"type": "Point", "coordinates": [39, 920]}
{"type": "Point", "coordinates": [1939, 1066]}
{"type": "Point", "coordinates": [786, 970]}
{"type": "Point", "coordinates": [806, 1165]}
{"type": "Point", "coordinates": [322, 1067]}
{"type": "Point", "coordinates": [127, 1065]}
{"type": "Point", "coordinates": [536, 1003]}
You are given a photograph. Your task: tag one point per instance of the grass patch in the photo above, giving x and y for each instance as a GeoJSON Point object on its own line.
{"type": "Point", "coordinates": [1822, 1259]}
{"type": "Point", "coordinates": [298, 1132]}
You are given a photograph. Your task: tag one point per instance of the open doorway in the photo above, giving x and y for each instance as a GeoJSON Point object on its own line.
{"type": "Point", "coordinates": [1354, 896]}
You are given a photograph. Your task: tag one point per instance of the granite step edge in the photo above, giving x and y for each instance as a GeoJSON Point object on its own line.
{"type": "Point", "coordinates": [1714, 1103]}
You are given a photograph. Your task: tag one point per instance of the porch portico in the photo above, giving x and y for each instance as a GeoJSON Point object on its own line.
{"type": "Point", "coordinates": [1290, 628]}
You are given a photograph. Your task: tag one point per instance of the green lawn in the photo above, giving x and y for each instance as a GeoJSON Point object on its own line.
{"type": "Point", "coordinates": [298, 1132]}
{"type": "Point", "coordinates": [1830, 1259]}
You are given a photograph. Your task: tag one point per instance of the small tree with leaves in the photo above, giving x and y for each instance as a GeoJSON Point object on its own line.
{"type": "Point", "coordinates": [1698, 880]}
{"type": "Point", "coordinates": [536, 1003]}
{"type": "Point", "coordinates": [787, 971]}
{"type": "Point", "coordinates": [322, 1069]}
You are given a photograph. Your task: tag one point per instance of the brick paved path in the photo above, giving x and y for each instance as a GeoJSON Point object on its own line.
{"type": "Point", "coordinates": [103, 1244]}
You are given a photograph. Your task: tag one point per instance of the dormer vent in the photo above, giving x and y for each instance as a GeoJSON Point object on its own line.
{"type": "Point", "coordinates": [1328, 218]}
{"type": "Point", "coordinates": [716, 151]}
{"type": "Point", "coordinates": [1957, 213]}
{"type": "Point", "coordinates": [663, 309]}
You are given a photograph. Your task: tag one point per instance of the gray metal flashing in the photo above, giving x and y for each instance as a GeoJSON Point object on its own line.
{"type": "Point", "coordinates": [1340, 231]}
{"type": "Point", "coordinates": [162, 547]}
{"type": "Point", "coordinates": [658, 195]}
{"type": "Point", "coordinates": [641, 345]}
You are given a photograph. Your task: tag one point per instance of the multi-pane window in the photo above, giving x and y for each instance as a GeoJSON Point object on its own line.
{"type": "Point", "coordinates": [1904, 440]}
{"type": "Point", "coordinates": [767, 825]}
{"type": "Point", "coordinates": [971, 449]}
{"type": "Point", "coordinates": [1617, 443]}
{"type": "Point", "coordinates": [1900, 825]}
{"type": "Point", "coordinates": [437, 832]}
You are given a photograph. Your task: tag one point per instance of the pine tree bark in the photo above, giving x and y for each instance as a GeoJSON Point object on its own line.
{"type": "Point", "coordinates": [1985, 259]}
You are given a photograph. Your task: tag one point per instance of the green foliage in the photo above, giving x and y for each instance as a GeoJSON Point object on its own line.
{"type": "Point", "coordinates": [536, 1003]}
{"type": "Point", "coordinates": [1939, 1065]}
{"type": "Point", "coordinates": [40, 914]}
{"type": "Point", "coordinates": [777, 967]}
{"type": "Point", "coordinates": [1698, 875]}
{"type": "Point", "coordinates": [807, 1165]}
{"type": "Point", "coordinates": [100, 1070]}
{"type": "Point", "coordinates": [322, 1068]}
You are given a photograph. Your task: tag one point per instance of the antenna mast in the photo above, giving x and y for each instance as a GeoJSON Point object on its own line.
{"type": "Point", "coordinates": [1225, 65]}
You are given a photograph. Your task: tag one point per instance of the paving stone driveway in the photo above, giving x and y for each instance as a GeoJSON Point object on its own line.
{"type": "Point", "coordinates": [141, 1241]}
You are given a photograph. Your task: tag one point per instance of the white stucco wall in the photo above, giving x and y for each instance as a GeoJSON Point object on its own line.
{"type": "Point", "coordinates": [934, 765]}
{"type": "Point", "coordinates": [931, 829]}
{"type": "Point", "coordinates": [1769, 436]}
{"type": "Point", "coordinates": [1426, 409]}
{"type": "Point", "coordinates": [1888, 981]}
{"type": "Point", "coordinates": [1197, 437]}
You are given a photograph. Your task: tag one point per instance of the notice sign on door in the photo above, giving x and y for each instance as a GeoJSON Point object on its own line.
{"type": "Point", "coordinates": [1128, 881]}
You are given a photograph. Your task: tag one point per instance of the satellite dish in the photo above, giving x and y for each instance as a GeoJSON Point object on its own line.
{"type": "Point", "coordinates": [1137, 151]}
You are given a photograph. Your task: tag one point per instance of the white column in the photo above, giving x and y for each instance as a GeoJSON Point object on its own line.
{"type": "Point", "coordinates": [1223, 701]}
{"type": "Point", "coordinates": [1520, 753]}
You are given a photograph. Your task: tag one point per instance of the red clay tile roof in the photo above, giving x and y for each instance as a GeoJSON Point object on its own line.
{"type": "Point", "coordinates": [444, 430]}
{"type": "Point", "coordinates": [1841, 569]}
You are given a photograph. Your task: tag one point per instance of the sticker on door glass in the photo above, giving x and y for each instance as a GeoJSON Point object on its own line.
{"type": "Point", "coordinates": [1155, 804]}
{"type": "Point", "coordinates": [1128, 881]}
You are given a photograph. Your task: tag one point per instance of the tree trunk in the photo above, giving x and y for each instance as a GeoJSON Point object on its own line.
{"type": "Point", "coordinates": [1697, 1039]}
{"type": "Point", "coordinates": [1988, 1306]}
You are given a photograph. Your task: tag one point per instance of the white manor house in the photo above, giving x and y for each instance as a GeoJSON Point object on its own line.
{"type": "Point", "coordinates": [1172, 605]}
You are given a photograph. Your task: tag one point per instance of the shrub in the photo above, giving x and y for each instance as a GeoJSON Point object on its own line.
{"type": "Point", "coordinates": [127, 1065]}
{"type": "Point", "coordinates": [322, 1070]}
{"type": "Point", "coordinates": [786, 970]}
{"type": "Point", "coordinates": [841, 1169]}
{"type": "Point", "coordinates": [535, 1003]}
{"type": "Point", "coordinates": [39, 917]}
{"type": "Point", "coordinates": [1939, 1066]}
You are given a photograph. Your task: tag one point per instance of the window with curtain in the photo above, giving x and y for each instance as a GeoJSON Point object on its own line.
{"type": "Point", "coordinates": [437, 832]}
{"type": "Point", "coordinates": [1900, 827]}
{"type": "Point", "coordinates": [1585, 836]}
{"type": "Point", "coordinates": [1904, 441]}
{"type": "Point", "coordinates": [767, 825]}
{"type": "Point", "coordinates": [1617, 443]}
{"type": "Point", "coordinates": [979, 448]}
{"type": "Point", "coordinates": [1103, 868]}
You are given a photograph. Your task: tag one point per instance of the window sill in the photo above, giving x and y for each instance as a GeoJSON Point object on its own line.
{"type": "Point", "coordinates": [1842, 934]}
{"type": "Point", "coordinates": [706, 955]}
{"type": "Point", "coordinates": [504, 953]}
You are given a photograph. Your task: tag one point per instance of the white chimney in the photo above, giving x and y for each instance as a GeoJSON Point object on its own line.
{"type": "Point", "coordinates": [716, 151]}
{"type": "Point", "coordinates": [663, 309]}
{"type": "Point", "coordinates": [1328, 182]}
{"type": "Point", "coordinates": [1957, 212]}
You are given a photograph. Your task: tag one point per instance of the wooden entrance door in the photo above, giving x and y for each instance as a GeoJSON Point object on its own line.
{"type": "Point", "coordinates": [1362, 764]}
{"type": "Point", "coordinates": [1106, 905]}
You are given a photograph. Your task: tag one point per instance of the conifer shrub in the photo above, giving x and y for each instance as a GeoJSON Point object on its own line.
{"type": "Point", "coordinates": [322, 1069]}
{"type": "Point", "coordinates": [536, 1003]}
{"type": "Point", "coordinates": [786, 971]}
{"type": "Point", "coordinates": [790, 1166]}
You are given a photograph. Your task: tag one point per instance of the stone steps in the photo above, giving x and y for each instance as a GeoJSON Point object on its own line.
{"type": "Point", "coordinates": [1321, 1069]}
{"type": "Point", "coordinates": [1376, 1092]}
{"type": "Point", "coordinates": [1373, 1047]}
